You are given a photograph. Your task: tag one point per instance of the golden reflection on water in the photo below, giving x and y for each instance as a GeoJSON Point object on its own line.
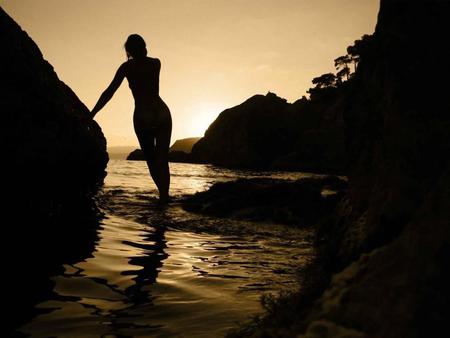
{"type": "Point", "coordinates": [151, 274]}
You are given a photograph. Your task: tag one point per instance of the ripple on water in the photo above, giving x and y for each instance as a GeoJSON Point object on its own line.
{"type": "Point", "coordinates": [168, 272]}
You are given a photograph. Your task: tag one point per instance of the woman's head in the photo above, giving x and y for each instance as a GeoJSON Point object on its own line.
{"type": "Point", "coordinates": [135, 46]}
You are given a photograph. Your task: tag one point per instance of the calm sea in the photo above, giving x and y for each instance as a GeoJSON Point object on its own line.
{"type": "Point", "coordinates": [166, 272]}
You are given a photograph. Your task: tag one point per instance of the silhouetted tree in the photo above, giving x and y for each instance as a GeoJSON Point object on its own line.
{"type": "Point", "coordinates": [324, 85]}
{"type": "Point", "coordinates": [343, 72]}
{"type": "Point", "coordinates": [325, 80]}
{"type": "Point", "coordinates": [341, 64]}
{"type": "Point", "coordinates": [359, 46]}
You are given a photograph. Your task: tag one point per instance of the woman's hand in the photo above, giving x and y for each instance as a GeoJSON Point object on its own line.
{"type": "Point", "coordinates": [92, 114]}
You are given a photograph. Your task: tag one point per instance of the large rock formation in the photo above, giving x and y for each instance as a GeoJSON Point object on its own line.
{"type": "Point", "coordinates": [394, 237]}
{"type": "Point", "coordinates": [387, 250]}
{"type": "Point", "coordinates": [267, 132]}
{"type": "Point", "coordinates": [54, 160]}
{"type": "Point", "coordinates": [248, 135]}
{"type": "Point", "coordinates": [49, 140]}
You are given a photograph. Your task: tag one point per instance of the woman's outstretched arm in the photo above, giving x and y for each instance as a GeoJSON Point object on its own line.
{"type": "Point", "coordinates": [109, 92]}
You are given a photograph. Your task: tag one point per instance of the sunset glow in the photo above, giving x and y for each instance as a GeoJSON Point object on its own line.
{"type": "Point", "coordinates": [225, 168]}
{"type": "Point", "coordinates": [203, 114]}
{"type": "Point", "coordinates": [214, 54]}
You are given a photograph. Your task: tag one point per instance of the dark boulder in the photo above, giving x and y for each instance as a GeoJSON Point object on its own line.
{"type": "Point", "coordinates": [301, 203]}
{"type": "Point", "coordinates": [54, 162]}
{"type": "Point", "coordinates": [185, 144]}
{"type": "Point", "coordinates": [248, 135]}
{"type": "Point", "coordinates": [136, 155]}
{"type": "Point", "coordinates": [267, 132]}
{"type": "Point", "coordinates": [54, 149]}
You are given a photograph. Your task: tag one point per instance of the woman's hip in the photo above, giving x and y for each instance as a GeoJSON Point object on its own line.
{"type": "Point", "coordinates": [152, 117]}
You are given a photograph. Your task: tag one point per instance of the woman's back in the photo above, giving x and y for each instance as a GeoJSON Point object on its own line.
{"type": "Point", "coordinates": [143, 78]}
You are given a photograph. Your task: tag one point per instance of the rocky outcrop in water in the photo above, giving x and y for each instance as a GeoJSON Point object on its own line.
{"type": "Point", "coordinates": [267, 132]}
{"type": "Point", "coordinates": [55, 159]}
{"type": "Point", "coordinates": [301, 203]}
{"type": "Point", "coordinates": [180, 151]}
{"type": "Point", "coordinates": [185, 144]}
{"type": "Point", "coordinates": [136, 155]}
{"type": "Point", "coordinates": [386, 251]}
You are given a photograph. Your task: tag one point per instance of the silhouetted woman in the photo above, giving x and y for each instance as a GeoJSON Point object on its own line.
{"type": "Point", "coordinates": [152, 120]}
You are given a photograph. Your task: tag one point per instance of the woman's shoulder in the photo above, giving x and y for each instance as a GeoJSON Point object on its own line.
{"type": "Point", "coordinates": [124, 66]}
{"type": "Point", "coordinates": [154, 60]}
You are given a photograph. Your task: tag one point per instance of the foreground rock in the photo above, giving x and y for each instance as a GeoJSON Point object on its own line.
{"type": "Point", "coordinates": [49, 140]}
{"type": "Point", "coordinates": [385, 254]}
{"type": "Point", "coordinates": [389, 245]}
{"type": "Point", "coordinates": [302, 203]}
{"type": "Point", "coordinates": [55, 160]}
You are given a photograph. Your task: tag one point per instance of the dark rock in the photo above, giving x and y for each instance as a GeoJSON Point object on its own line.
{"type": "Point", "coordinates": [55, 160]}
{"type": "Point", "coordinates": [301, 202]}
{"type": "Point", "coordinates": [247, 135]}
{"type": "Point", "coordinates": [184, 145]}
{"type": "Point", "coordinates": [317, 150]}
{"type": "Point", "coordinates": [391, 238]}
{"type": "Point", "coordinates": [178, 152]}
{"type": "Point", "coordinates": [136, 155]}
{"type": "Point", "coordinates": [397, 126]}
{"type": "Point", "coordinates": [266, 132]}
{"type": "Point", "coordinates": [49, 140]}
{"type": "Point", "coordinates": [386, 251]}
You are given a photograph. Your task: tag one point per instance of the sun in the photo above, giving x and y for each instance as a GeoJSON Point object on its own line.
{"type": "Point", "coordinates": [202, 117]}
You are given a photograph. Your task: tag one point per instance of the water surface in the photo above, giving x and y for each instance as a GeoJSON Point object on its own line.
{"type": "Point", "coordinates": [166, 272]}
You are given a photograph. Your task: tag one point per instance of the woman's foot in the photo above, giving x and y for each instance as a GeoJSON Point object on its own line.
{"type": "Point", "coordinates": [164, 200]}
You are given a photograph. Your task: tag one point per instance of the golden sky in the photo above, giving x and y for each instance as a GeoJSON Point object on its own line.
{"type": "Point", "coordinates": [214, 53]}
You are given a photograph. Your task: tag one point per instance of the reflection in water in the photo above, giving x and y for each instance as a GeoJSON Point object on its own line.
{"type": "Point", "coordinates": [153, 273]}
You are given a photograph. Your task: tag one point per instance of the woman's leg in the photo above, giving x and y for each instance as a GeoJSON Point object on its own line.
{"type": "Point", "coordinates": [162, 160]}
{"type": "Point", "coordinates": [146, 139]}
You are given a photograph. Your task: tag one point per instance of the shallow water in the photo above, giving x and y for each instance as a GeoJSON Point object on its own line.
{"type": "Point", "coordinates": [166, 272]}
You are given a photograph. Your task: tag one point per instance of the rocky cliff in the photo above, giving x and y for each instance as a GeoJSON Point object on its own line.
{"type": "Point", "coordinates": [54, 159]}
{"type": "Point", "coordinates": [267, 132]}
{"type": "Point", "coordinates": [53, 149]}
{"type": "Point", "coordinates": [391, 245]}
{"type": "Point", "coordinates": [386, 251]}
